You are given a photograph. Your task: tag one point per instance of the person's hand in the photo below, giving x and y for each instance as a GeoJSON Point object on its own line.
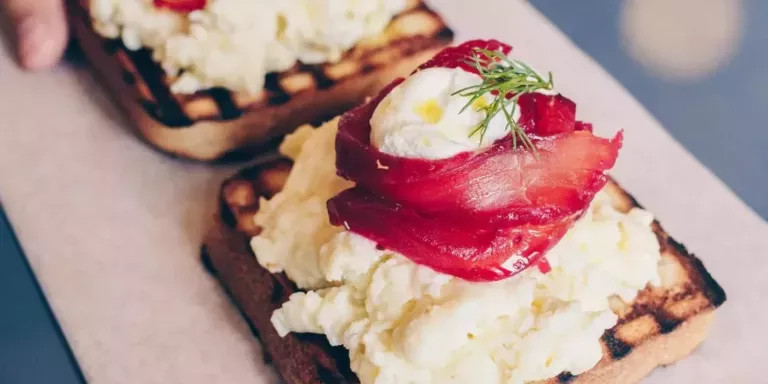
{"type": "Point", "coordinates": [41, 30]}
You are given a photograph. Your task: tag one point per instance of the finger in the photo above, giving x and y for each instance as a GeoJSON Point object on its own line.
{"type": "Point", "coordinates": [41, 31]}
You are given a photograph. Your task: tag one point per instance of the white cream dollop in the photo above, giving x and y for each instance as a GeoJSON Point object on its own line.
{"type": "Point", "coordinates": [235, 43]}
{"type": "Point", "coordinates": [405, 323]}
{"type": "Point", "coordinates": [423, 118]}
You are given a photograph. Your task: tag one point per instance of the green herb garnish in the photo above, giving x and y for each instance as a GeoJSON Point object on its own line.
{"type": "Point", "coordinates": [502, 76]}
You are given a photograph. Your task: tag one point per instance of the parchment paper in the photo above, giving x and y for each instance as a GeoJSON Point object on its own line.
{"type": "Point", "coordinates": [113, 229]}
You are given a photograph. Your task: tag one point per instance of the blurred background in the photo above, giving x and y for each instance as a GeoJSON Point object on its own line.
{"type": "Point", "coordinates": [699, 66]}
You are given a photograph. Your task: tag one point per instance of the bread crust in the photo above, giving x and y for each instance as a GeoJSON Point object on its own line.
{"type": "Point", "coordinates": [663, 325]}
{"type": "Point", "coordinates": [217, 124]}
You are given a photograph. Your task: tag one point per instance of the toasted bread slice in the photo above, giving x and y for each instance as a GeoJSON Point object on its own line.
{"type": "Point", "coordinates": [217, 123]}
{"type": "Point", "coordinates": [663, 324]}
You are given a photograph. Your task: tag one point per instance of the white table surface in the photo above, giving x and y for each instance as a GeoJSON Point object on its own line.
{"type": "Point", "coordinates": [112, 229]}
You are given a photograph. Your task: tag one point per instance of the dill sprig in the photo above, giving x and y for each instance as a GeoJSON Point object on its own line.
{"type": "Point", "coordinates": [506, 79]}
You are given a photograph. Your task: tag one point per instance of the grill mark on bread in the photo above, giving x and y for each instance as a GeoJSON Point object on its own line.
{"type": "Point", "coordinates": [264, 180]}
{"type": "Point", "coordinates": [333, 367]}
{"type": "Point", "coordinates": [129, 78]}
{"type": "Point", "coordinates": [616, 346]}
{"type": "Point", "coordinates": [322, 79]}
{"type": "Point", "coordinates": [704, 279]}
{"type": "Point", "coordinates": [167, 110]}
{"type": "Point", "coordinates": [666, 322]}
{"type": "Point", "coordinates": [281, 291]}
{"type": "Point", "coordinates": [445, 33]}
{"type": "Point", "coordinates": [275, 93]}
{"type": "Point", "coordinates": [130, 71]}
{"type": "Point", "coordinates": [225, 103]}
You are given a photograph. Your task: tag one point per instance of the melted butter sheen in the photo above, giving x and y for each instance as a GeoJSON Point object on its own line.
{"type": "Point", "coordinates": [404, 323]}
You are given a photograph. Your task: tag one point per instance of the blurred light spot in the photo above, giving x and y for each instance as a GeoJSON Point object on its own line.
{"type": "Point", "coordinates": [682, 40]}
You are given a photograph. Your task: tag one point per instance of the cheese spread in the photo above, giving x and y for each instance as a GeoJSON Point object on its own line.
{"type": "Point", "coordinates": [405, 323]}
{"type": "Point", "coordinates": [235, 43]}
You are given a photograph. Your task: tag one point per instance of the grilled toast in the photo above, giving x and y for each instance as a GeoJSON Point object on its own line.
{"type": "Point", "coordinates": [662, 325]}
{"type": "Point", "coordinates": [216, 123]}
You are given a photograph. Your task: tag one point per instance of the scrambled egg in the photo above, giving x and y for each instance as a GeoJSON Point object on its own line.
{"type": "Point", "coordinates": [235, 43]}
{"type": "Point", "coordinates": [405, 323]}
